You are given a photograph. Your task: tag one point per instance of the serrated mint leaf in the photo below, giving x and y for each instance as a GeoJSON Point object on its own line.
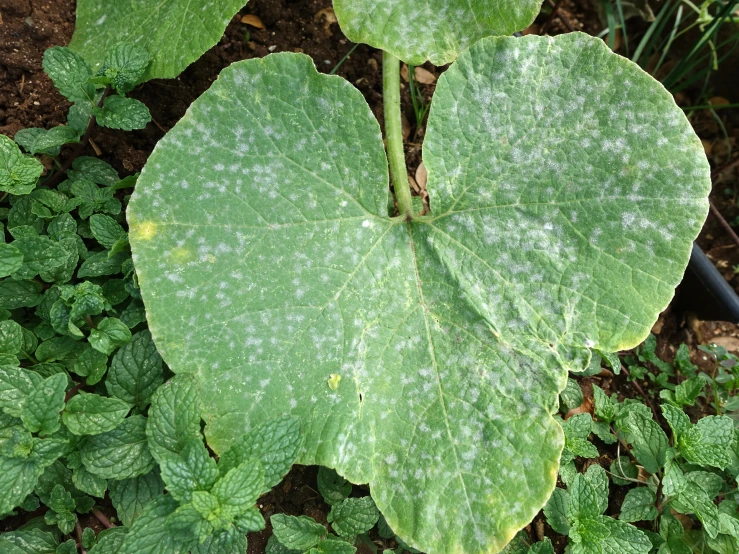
{"type": "Point", "coordinates": [129, 496]}
{"type": "Point", "coordinates": [449, 28]}
{"type": "Point", "coordinates": [149, 533]}
{"type": "Point", "coordinates": [576, 430]}
{"type": "Point", "coordinates": [238, 490]}
{"type": "Point", "coordinates": [118, 454]}
{"type": "Point", "coordinates": [11, 259]}
{"type": "Point", "coordinates": [276, 547]}
{"type": "Point", "coordinates": [105, 229]}
{"type": "Point", "coordinates": [353, 516]}
{"type": "Point", "coordinates": [101, 263]}
{"type": "Point", "coordinates": [333, 546]}
{"type": "Point", "coordinates": [638, 505]}
{"type": "Point", "coordinates": [110, 541]}
{"type": "Point", "coordinates": [249, 521]}
{"type": "Point", "coordinates": [92, 414]}
{"type": "Point", "coordinates": [11, 337]}
{"type": "Point", "coordinates": [557, 511]}
{"type": "Point", "coordinates": [275, 444]}
{"type": "Point", "coordinates": [109, 334]}
{"type": "Point", "coordinates": [122, 113]}
{"type": "Point", "coordinates": [709, 442]}
{"type": "Point", "coordinates": [222, 542]}
{"type": "Point", "coordinates": [589, 493]}
{"type": "Point", "coordinates": [605, 408]}
{"type": "Point", "coordinates": [91, 364]}
{"type": "Point", "coordinates": [56, 348]}
{"type": "Point", "coordinates": [93, 169]}
{"type": "Point", "coordinates": [189, 524]}
{"type": "Point", "coordinates": [28, 541]}
{"type": "Point", "coordinates": [42, 406]}
{"type": "Point", "coordinates": [20, 474]}
{"type": "Point", "coordinates": [605, 535]}
{"type": "Point", "coordinates": [171, 42]}
{"type": "Point", "coordinates": [192, 470]}
{"type": "Point", "coordinates": [89, 482]}
{"type": "Point", "coordinates": [124, 66]}
{"type": "Point", "coordinates": [649, 440]}
{"type": "Point", "coordinates": [347, 285]}
{"type": "Point", "coordinates": [39, 254]}
{"type": "Point", "coordinates": [688, 391]}
{"type": "Point", "coordinates": [67, 547]}
{"type": "Point", "coordinates": [70, 74]}
{"type": "Point", "coordinates": [697, 497]}
{"type": "Point", "coordinates": [19, 294]}
{"type": "Point", "coordinates": [46, 141]}
{"type": "Point", "coordinates": [135, 371]}
{"type": "Point", "coordinates": [571, 397]}
{"type": "Point", "coordinates": [542, 547]}
{"type": "Point", "coordinates": [678, 421]}
{"type": "Point", "coordinates": [332, 486]}
{"type": "Point", "coordinates": [18, 173]}
{"type": "Point", "coordinates": [297, 533]}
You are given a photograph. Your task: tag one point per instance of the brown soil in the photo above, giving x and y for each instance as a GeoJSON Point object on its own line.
{"type": "Point", "coordinates": [28, 99]}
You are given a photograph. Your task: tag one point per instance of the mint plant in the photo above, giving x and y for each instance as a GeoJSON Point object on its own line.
{"type": "Point", "coordinates": [423, 353]}
{"type": "Point", "coordinates": [175, 32]}
{"type": "Point", "coordinates": [692, 472]}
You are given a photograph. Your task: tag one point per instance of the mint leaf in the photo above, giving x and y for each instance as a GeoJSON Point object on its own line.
{"type": "Point", "coordinates": [605, 408]}
{"type": "Point", "coordinates": [15, 385]}
{"type": "Point", "coordinates": [18, 173]}
{"type": "Point", "coordinates": [89, 482]}
{"type": "Point", "coordinates": [688, 391]}
{"type": "Point", "coordinates": [557, 511]}
{"type": "Point", "coordinates": [122, 113]}
{"type": "Point", "coordinates": [276, 547]}
{"type": "Point", "coordinates": [589, 493]}
{"type": "Point", "coordinates": [275, 444]}
{"type": "Point", "coordinates": [649, 440]}
{"type": "Point", "coordinates": [129, 496]}
{"type": "Point", "coordinates": [332, 546]}
{"type": "Point", "coordinates": [193, 470]}
{"type": "Point", "coordinates": [678, 421]}
{"type": "Point", "coordinates": [70, 74]}
{"type": "Point", "coordinates": [101, 263]}
{"type": "Point", "coordinates": [20, 473]}
{"type": "Point", "coordinates": [110, 541]}
{"type": "Point", "coordinates": [11, 259]}
{"type": "Point", "coordinates": [109, 334]}
{"type": "Point", "coordinates": [28, 541]}
{"type": "Point", "coordinates": [105, 229]}
{"type": "Point", "coordinates": [174, 416]}
{"type": "Point", "coordinates": [697, 497]}
{"type": "Point", "coordinates": [135, 371]}
{"type": "Point", "coordinates": [238, 490]}
{"type": "Point", "coordinates": [39, 254]}
{"type": "Point", "coordinates": [118, 454]}
{"type": "Point", "coordinates": [250, 521]}
{"type": "Point", "coordinates": [605, 535]}
{"type": "Point", "coordinates": [571, 396]}
{"type": "Point", "coordinates": [43, 141]}
{"type": "Point", "coordinates": [91, 364]}
{"type": "Point", "coordinates": [709, 442]}
{"type": "Point", "coordinates": [332, 486]}
{"type": "Point", "coordinates": [11, 337]}
{"type": "Point", "coordinates": [149, 534]}
{"type": "Point", "coordinates": [92, 414]}
{"type": "Point", "coordinates": [19, 294]}
{"type": "Point", "coordinates": [42, 406]}
{"type": "Point", "coordinates": [93, 169]}
{"type": "Point", "coordinates": [298, 533]}
{"type": "Point", "coordinates": [576, 430]}
{"type": "Point", "coordinates": [124, 67]}
{"type": "Point", "coordinates": [638, 505]}
{"type": "Point", "coordinates": [542, 547]}
{"type": "Point", "coordinates": [353, 516]}
{"type": "Point", "coordinates": [222, 542]}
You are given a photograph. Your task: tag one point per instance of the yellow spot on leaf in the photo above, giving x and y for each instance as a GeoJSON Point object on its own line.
{"type": "Point", "coordinates": [333, 381]}
{"type": "Point", "coordinates": [181, 255]}
{"type": "Point", "coordinates": [145, 230]}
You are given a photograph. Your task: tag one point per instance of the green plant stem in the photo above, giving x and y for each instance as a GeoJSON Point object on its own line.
{"type": "Point", "coordinates": [394, 133]}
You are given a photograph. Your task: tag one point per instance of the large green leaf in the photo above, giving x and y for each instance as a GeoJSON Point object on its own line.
{"type": "Point", "coordinates": [435, 30]}
{"type": "Point", "coordinates": [566, 190]}
{"type": "Point", "coordinates": [174, 32]}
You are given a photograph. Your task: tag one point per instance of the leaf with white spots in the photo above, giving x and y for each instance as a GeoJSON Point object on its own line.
{"type": "Point", "coordinates": [566, 190]}
{"type": "Point", "coordinates": [174, 32]}
{"type": "Point", "coordinates": [435, 30]}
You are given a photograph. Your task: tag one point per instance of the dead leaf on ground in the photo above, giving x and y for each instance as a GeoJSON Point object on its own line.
{"type": "Point", "coordinates": [424, 76]}
{"type": "Point", "coordinates": [253, 21]}
{"type": "Point", "coordinates": [422, 176]}
{"type": "Point", "coordinates": [730, 343]}
{"type": "Point", "coordinates": [329, 18]}
{"type": "Point", "coordinates": [404, 72]}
